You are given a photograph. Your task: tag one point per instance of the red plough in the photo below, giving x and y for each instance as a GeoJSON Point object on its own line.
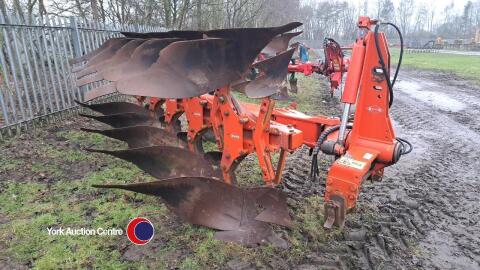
{"type": "Point", "coordinates": [192, 73]}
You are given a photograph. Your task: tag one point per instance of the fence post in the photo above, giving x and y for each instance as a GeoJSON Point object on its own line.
{"type": "Point", "coordinates": [77, 50]}
{"type": "Point", "coordinates": [76, 37]}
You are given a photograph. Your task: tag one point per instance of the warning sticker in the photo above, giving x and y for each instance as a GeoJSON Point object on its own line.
{"type": "Point", "coordinates": [350, 162]}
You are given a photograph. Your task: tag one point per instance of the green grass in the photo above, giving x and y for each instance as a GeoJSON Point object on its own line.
{"type": "Point", "coordinates": [57, 192]}
{"type": "Point", "coordinates": [306, 100]}
{"type": "Point", "coordinates": [461, 65]}
{"type": "Point", "coordinates": [32, 207]}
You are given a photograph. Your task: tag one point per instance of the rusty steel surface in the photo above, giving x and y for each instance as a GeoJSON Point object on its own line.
{"type": "Point", "coordinates": [181, 69]}
{"type": "Point", "coordinates": [134, 34]}
{"type": "Point", "coordinates": [192, 68]}
{"type": "Point", "coordinates": [170, 34]}
{"type": "Point", "coordinates": [121, 120]}
{"type": "Point", "coordinates": [166, 161]}
{"type": "Point", "coordinates": [185, 69]}
{"type": "Point", "coordinates": [120, 56]}
{"type": "Point", "coordinates": [115, 108]}
{"type": "Point", "coordinates": [141, 59]}
{"type": "Point", "coordinates": [273, 73]}
{"type": "Point", "coordinates": [215, 204]}
{"type": "Point", "coordinates": [140, 136]}
{"type": "Point", "coordinates": [108, 52]}
{"type": "Point", "coordinates": [279, 43]}
{"type": "Point", "coordinates": [89, 55]}
{"type": "Point", "coordinates": [134, 57]}
{"type": "Point", "coordinates": [99, 91]}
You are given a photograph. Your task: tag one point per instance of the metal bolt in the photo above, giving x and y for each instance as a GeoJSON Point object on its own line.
{"type": "Point", "coordinates": [226, 113]}
{"type": "Point", "coordinates": [221, 99]}
{"type": "Point", "coordinates": [243, 120]}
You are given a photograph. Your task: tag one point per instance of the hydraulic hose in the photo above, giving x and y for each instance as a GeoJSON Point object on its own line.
{"type": "Point", "coordinates": [406, 146]}
{"type": "Point", "coordinates": [314, 171]}
{"type": "Point", "coordinates": [390, 84]}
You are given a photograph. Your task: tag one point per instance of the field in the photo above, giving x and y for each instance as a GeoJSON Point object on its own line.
{"type": "Point", "coordinates": [423, 215]}
{"type": "Point", "coordinates": [46, 182]}
{"type": "Point", "coordinates": [465, 66]}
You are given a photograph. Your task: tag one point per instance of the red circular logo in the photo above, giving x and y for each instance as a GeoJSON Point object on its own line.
{"type": "Point", "coordinates": [140, 231]}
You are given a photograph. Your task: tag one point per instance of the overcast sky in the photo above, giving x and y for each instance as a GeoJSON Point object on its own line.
{"type": "Point", "coordinates": [438, 5]}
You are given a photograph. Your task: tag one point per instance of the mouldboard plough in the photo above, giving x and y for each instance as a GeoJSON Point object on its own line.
{"type": "Point", "coordinates": [191, 74]}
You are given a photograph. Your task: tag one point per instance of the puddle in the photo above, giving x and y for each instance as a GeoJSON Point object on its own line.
{"type": "Point", "coordinates": [437, 99]}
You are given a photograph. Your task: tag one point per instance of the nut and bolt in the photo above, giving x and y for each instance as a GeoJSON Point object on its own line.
{"type": "Point", "coordinates": [243, 120]}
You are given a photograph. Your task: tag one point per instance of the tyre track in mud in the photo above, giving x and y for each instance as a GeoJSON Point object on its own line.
{"type": "Point", "coordinates": [378, 242]}
{"type": "Point", "coordinates": [426, 209]}
{"type": "Point", "coordinates": [441, 176]}
{"type": "Point", "coordinates": [375, 236]}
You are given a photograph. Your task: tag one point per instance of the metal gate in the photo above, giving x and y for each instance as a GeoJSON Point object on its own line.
{"type": "Point", "coordinates": [35, 83]}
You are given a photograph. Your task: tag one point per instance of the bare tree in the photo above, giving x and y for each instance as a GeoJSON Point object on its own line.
{"type": "Point", "coordinates": [405, 13]}
{"type": "Point", "coordinates": [324, 18]}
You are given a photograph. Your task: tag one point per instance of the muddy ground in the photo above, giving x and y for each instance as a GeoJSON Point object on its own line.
{"type": "Point", "coordinates": [423, 215]}
{"type": "Point", "coordinates": [426, 211]}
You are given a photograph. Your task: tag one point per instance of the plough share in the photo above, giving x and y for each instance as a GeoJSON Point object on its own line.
{"type": "Point", "coordinates": [192, 74]}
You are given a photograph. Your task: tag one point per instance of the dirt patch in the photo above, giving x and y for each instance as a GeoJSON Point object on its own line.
{"type": "Point", "coordinates": [437, 185]}
{"type": "Point", "coordinates": [423, 215]}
